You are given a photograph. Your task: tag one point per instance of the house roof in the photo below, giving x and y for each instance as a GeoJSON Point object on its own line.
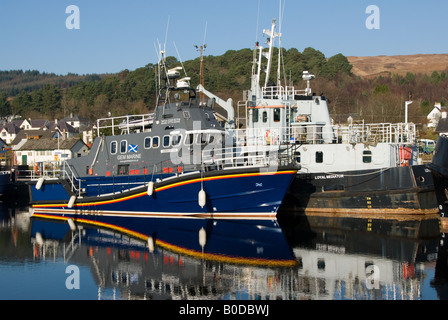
{"type": "Point", "coordinates": [62, 126]}
{"type": "Point", "coordinates": [11, 128]}
{"type": "Point", "coordinates": [50, 144]}
{"type": "Point", "coordinates": [38, 123]}
{"type": "Point", "coordinates": [75, 118]}
{"type": "Point", "coordinates": [24, 134]}
{"type": "Point", "coordinates": [18, 122]}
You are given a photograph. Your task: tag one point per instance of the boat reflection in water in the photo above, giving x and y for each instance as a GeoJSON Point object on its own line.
{"type": "Point", "coordinates": [312, 257]}
{"type": "Point", "coordinates": [318, 258]}
{"type": "Point", "coordinates": [176, 258]}
{"type": "Point", "coordinates": [361, 258]}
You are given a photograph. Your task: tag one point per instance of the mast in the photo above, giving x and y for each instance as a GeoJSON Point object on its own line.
{"type": "Point", "coordinates": [272, 35]}
{"type": "Point", "coordinates": [201, 50]}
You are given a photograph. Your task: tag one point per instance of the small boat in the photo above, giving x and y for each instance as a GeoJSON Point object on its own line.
{"type": "Point", "coordinates": [176, 162]}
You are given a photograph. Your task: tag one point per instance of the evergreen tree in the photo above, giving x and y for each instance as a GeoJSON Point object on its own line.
{"type": "Point", "coordinates": [5, 108]}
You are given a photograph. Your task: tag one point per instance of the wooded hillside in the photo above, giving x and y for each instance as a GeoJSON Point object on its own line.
{"type": "Point", "coordinates": [376, 99]}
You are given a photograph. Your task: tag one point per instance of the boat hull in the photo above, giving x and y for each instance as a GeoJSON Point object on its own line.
{"type": "Point", "coordinates": [439, 169]}
{"type": "Point", "coordinates": [400, 190]}
{"type": "Point", "coordinates": [5, 181]}
{"type": "Point", "coordinates": [240, 194]}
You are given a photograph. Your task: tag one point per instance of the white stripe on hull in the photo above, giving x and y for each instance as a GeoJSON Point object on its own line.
{"type": "Point", "coordinates": [131, 214]}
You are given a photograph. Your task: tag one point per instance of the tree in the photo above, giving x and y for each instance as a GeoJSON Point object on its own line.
{"type": "Point", "coordinates": [51, 100]}
{"type": "Point", "coordinates": [381, 89]}
{"type": "Point", "coordinates": [21, 103]}
{"type": "Point", "coordinates": [337, 64]}
{"type": "Point", "coordinates": [5, 108]}
{"type": "Point", "coordinates": [314, 60]}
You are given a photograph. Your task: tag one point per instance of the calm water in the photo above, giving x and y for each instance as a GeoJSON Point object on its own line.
{"type": "Point", "coordinates": [336, 259]}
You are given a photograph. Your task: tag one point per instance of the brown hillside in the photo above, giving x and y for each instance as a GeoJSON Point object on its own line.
{"type": "Point", "coordinates": [388, 65]}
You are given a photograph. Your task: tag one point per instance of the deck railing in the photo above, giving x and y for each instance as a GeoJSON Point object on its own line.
{"type": "Point", "coordinates": [303, 133]}
{"type": "Point", "coordinates": [124, 124]}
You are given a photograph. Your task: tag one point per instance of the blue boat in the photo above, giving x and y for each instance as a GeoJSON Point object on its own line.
{"type": "Point", "coordinates": [175, 162]}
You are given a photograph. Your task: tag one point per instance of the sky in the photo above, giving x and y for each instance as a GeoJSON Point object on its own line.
{"type": "Point", "coordinates": [115, 35]}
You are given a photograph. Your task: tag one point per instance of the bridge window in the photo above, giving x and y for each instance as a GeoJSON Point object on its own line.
{"type": "Point", "coordinates": [367, 156]}
{"type": "Point", "coordinates": [166, 141]}
{"type": "Point", "coordinates": [202, 138]}
{"type": "Point", "coordinates": [148, 141]}
{"type": "Point", "coordinates": [176, 139]}
{"type": "Point", "coordinates": [277, 114]}
{"type": "Point", "coordinates": [155, 142]}
{"type": "Point", "coordinates": [297, 155]}
{"type": "Point", "coordinates": [255, 115]}
{"type": "Point", "coordinates": [189, 138]}
{"type": "Point", "coordinates": [123, 146]}
{"type": "Point", "coordinates": [113, 147]}
{"type": "Point", "coordinates": [319, 157]}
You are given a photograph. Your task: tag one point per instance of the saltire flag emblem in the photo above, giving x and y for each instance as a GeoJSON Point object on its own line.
{"type": "Point", "coordinates": [133, 148]}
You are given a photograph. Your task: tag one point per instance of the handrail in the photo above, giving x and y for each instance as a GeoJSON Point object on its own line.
{"type": "Point", "coordinates": [125, 123]}
{"type": "Point", "coordinates": [310, 133]}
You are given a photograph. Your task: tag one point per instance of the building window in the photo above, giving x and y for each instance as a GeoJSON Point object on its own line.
{"type": "Point", "coordinates": [265, 116]}
{"type": "Point", "coordinates": [321, 264]}
{"type": "Point", "coordinates": [319, 157]}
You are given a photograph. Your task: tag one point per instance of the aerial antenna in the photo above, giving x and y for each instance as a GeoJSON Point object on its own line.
{"type": "Point", "coordinates": [166, 33]}
{"type": "Point", "coordinates": [280, 60]}
{"type": "Point", "coordinates": [201, 49]}
{"type": "Point", "coordinates": [258, 22]}
{"type": "Point", "coordinates": [180, 59]}
{"type": "Point", "coordinates": [205, 32]}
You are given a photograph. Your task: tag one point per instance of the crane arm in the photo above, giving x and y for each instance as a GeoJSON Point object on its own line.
{"type": "Point", "coordinates": [226, 105]}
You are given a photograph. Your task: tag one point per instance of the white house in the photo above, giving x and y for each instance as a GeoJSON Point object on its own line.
{"type": "Point", "coordinates": [44, 150]}
{"type": "Point", "coordinates": [434, 116]}
{"type": "Point", "coordinates": [8, 132]}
